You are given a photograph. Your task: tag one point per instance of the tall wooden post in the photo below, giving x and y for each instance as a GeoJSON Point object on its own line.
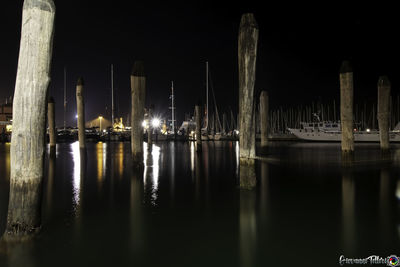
{"type": "Point", "coordinates": [346, 107]}
{"type": "Point", "coordinates": [80, 106]}
{"type": "Point", "coordinates": [52, 124]}
{"type": "Point", "coordinates": [29, 119]}
{"type": "Point", "coordinates": [383, 111]}
{"type": "Point", "coordinates": [248, 38]}
{"type": "Point", "coordinates": [264, 118]}
{"type": "Point", "coordinates": [199, 115]}
{"type": "Point", "coordinates": [138, 94]}
{"type": "Point", "coordinates": [247, 55]}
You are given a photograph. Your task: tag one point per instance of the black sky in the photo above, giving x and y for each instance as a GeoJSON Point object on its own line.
{"type": "Point", "coordinates": [300, 51]}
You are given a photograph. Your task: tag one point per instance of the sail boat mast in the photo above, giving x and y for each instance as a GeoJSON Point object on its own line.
{"type": "Point", "coordinates": [207, 94]}
{"type": "Point", "coordinates": [172, 107]}
{"type": "Point", "coordinates": [112, 94]}
{"type": "Point", "coordinates": [65, 97]}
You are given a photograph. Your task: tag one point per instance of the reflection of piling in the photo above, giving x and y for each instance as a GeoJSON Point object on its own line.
{"type": "Point", "coordinates": [29, 123]}
{"type": "Point", "coordinates": [198, 115]}
{"type": "Point", "coordinates": [52, 124]}
{"type": "Point", "coordinates": [348, 211]}
{"type": "Point", "coordinates": [248, 38]}
{"type": "Point", "coordinates": [264, 118]}
{"type": "Point", "coordinates": [383, 111]}
{"type": "Point", "coordinates": [346, 107]}
{"type": "Point", "coordinates": [80, 106]}
{"type": "Point", "coordinates": [248, 229]}
{"type": "Point", "coordinates": [138, 93]}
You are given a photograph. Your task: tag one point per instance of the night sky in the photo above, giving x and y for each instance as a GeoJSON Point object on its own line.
{"type": "Point", "coordinates": [300, 51]}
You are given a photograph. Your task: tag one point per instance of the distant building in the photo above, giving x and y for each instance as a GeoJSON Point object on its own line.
{"type": "Point", "coordinates": [5, 117]}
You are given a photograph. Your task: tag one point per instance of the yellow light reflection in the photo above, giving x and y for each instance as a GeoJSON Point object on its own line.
{"type": "Point", "coordinates": [76, 182]}
{"type": "Point", "coordinates": [192, 149]}
{"type": "Point", "coordinates": [101, 149]}
{"type": "Point", "coordinates": [120, 159]}
{"type": "Point", "coordinates": [151, 170]}
{"type": "Point", "coordinates": [398, 190]}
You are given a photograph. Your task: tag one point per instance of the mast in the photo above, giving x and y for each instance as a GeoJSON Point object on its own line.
{"type": "Point", "coordinates": [207, 94]}
{"type": "Point", "coordinates": [65, 97]}
{"type": "Point", "coordinates": [172, 107]}
{"type": "Point", "coordinates": [112, 94]}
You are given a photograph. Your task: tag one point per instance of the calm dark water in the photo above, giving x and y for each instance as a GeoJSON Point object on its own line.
{"type": "Point", "coordinates": [186, 209]}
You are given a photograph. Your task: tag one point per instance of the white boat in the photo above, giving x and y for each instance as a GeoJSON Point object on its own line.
{"type": "Point", "coordinates": [326, 131]}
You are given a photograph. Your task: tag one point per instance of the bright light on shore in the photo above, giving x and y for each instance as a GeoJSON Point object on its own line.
{"type": "Point", "coordinates": [145, 124]}
{"type": "Point", "coordinates": [155, 123]}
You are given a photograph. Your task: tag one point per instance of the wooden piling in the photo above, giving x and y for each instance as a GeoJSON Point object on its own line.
{"type": "Point", "coordinates": [346, 107]}
{"type": "Point", "coordinates": [247, 53]}
{"type": "Point", "coordinates": [80, 106]}
{"type": "Point", "coordinates": [52, 124]}
{"type": "Point", "coordinates": [383, 111]}
{"type": "Point", "coordinates": [29, 119]}
{"type": "Point", "coordinates": [199, 115]}
{"type": "Point", "coordinates": [138, 94]}
{"type": "Point", "coordinates": [264, 118]}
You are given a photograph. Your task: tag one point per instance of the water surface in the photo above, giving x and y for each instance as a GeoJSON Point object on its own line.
{"type": "Point", "coordinates": [186, 209]}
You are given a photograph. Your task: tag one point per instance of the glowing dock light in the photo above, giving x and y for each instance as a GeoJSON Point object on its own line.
{"type": "Point", "coordinates": [156, 123]}
{"type": "Point", "coordinates": [368, 130]}
{"type": "Point", "coordinates": [145, 124]}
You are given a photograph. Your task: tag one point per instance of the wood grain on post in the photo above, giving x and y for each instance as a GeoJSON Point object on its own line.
{"type": "Point", "coordinates": [80, 106]}
{"type": "Point", "coordinates": [247, 52]}
{"type": "Point", "coordinates": [346, 107]}
{"type": "Point", "coordinates": [264, 118]}
{"type": "Point", "coordinates": [29, 119]}
{"type": "Point", "coordinates": [138, 94]}
{"type": "Point", "coordinates": [52, 124]}
{"type": "Point", "coordinates": [383, 110]}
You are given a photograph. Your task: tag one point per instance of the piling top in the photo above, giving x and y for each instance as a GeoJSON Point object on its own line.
{"type": "Point", "coordinates": [80, 82]}
{"type": "Point", "coordinates": [346, 67]}
{"type": "Point", "coordinates": [51, 99]}
{"type": "Point", "coordinates": [264, 93]}
{"type": "Point", "coordinates": [248, 21]}
{"type": "Point", "coordinates": [138, 68]}
{"type": "Point", "coordinates": [383, 81]}
{"type": "Point", "coordinates": [45, 5]}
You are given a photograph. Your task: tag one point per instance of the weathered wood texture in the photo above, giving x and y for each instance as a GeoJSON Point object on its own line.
{"type": "Point", "coordinates": [80, 106]}
{"type": "Point", "coordinates": [199, 115]}
{"type": "Point", "coordinates": [264, 118]}
{"type": "Point", "coordinates": [52, 123]}
{"type": "Point", "coordinates": [383, 110]}
{"type": "Point", "coordinates": [346, 107]}
{"type": "Point", "coordinates": [29, 118]}
{"type": "Point", "coordinates": [138, 94]}
{"type": "Point", "coordinates": [247, 54]}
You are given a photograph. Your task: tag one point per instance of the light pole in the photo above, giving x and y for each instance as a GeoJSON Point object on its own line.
{"type": "Point", "coordinates": [100, 118]}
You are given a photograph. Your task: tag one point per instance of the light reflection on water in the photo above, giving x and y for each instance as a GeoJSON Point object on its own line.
{"type": "Point", "coordinates": [151, 160]}
{"type": "Point", "coordinates": [76, 158]}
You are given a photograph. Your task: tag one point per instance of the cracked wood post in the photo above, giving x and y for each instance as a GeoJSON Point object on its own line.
{"type": "Point", "coordinates": [52, 124]}
{"type": "Point", "coordinates": [248, 37]}
{"type": "Point", "coordinates": [383, 111]}
{"type": "Point", "coordinates": [29, 119]}
{"type": "Point", "coordinates": [198, 114]}
{"type": "Point", "coordinates": [247, 55]}
{"type": "Point", "coordinates": [80, 106]}
{"type": "Point", "coordinates": [264, 118]}
{"type": "Point", "coordinates": [138, 94]}
{"type": "Point", "coordinates": [346, 107]}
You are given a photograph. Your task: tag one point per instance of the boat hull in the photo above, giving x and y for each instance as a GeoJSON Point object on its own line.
{"type": "Point", "coordinates": [316, 136]}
